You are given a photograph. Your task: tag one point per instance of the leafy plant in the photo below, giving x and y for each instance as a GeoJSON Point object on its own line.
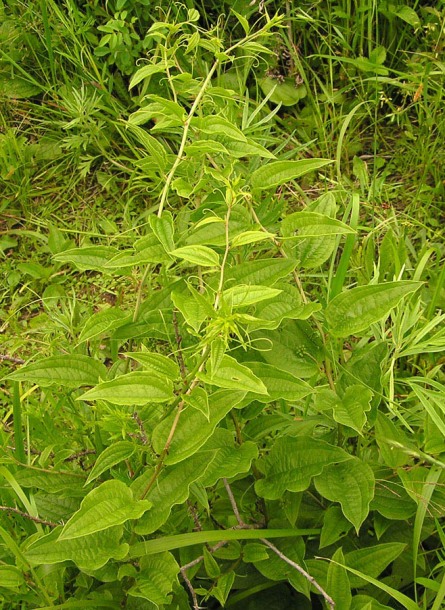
{"type": "Point", "coordinates": [254, 416]}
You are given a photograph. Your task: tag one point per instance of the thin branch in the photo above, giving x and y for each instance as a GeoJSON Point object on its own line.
{"type": "Point", "coordinates": [302, 571]}
{"type": "Point", "coordinates": [233, 503]}
{"type": "Point", "coordinates": [7, 358]}
{"type": "Point", "coordinates": [178, 340]}
{"type": "Point", "coordinates": [10, 509]}
{"type": "Point", "coordinates": [190, 588]}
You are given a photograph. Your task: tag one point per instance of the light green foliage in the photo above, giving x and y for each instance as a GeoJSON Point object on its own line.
{"type": "Point", "coordinates": [222, 262]}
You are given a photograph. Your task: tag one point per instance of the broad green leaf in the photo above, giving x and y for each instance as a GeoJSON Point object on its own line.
{"type": "Point", "coordinates": [194, 307]}
{"type": "Point", "coordinates": [233, 375]}
{"type": "Point", "coordinates": [88, 257]}
{"type": "Point", "coordinates": [338, 582]}
{"type": "Point", "coordinates": [210, 564]}
{"type": "Point", "coordinates": [351, 409]}
{"type": "Point", "coordinates": [364, 602]}
{"type": "Point", "coordinates": [391, 499]}
{"type": "Point", "coordinates": [352, 484]}
{"type": "Point", "coordinates": [265, 271]}
{"type": "Point", "coordinates": [223, 587]}
{"type": "Point", "coordinates": [193, 428]}
{"type": "Point", "coordinates": [89, 552]}
{"type": "Point", "coordinates": [169, 543]}
{"type": "Point", "coordinates": [156, 363]}
{"type": "Point", "coordinates": [244, 295]}
{"type": "Point", "coordinates": [312, 224]}
{"type": "Point", "coordinates": [215, 124]}
{"type": "Point", "coordinates": [153, 146]}
{"type": "Point", "coordinates": [156, 578]}
{"type": "Point", "coordinates": [335, 526]}
{"type": "Point", "coordinates": [292, 462]}
{"type": "Point", "coordinates": [204, 147]}
{"type": "Point", "coordinates": [197, 255]}
{"type": "Point", "coordinates": [106, 506]}
{"type": "Point", "coordinates": [250, 148]}
{"type": "Point", "coordinates": [372, 560]}
{"type": "Point", "coordinates": [102, 322]}
{"type": "Point", "coordinates": [11, 577]}
{"type": "Point", "coordinates": [148, 70]}
{"type": "Point", "coordinates": [230, 459]}
{"type": "Point", "coordinates": [154, 253]}
{"type": "Point", "coordinates": [112, 455]}
{"type": "Point", "coordinates": [279, 384]}
{"type": "Point", "coordinates": [353, 311]}
{"type": "Point", "coordinates": [67, 370]}
{"type": "Point", "coordinates": [254, 551]}
{"type": "Point", "coordinates": [198, 399]}
{"type": "Point", "coordinates": [56, 507]}
{"type": "Point", "coordinates": [285, 93]}
{"type": "Point", "coordinates": [138, 388]}
{"type": "Point", "coordinates": [66, 483]}
{"type": "Point", "coordinates": [277, 570]}
{"type": "Point", "coordinates": [171, 488]}
{"type": "Point", "coordinates": [393, 443]}
{"type": "Point", "coordinates": [164, 229]}
{"type": "Point", "coordinates": [251, 237]}
{"type": "Point", "coordinates": [279, 172]}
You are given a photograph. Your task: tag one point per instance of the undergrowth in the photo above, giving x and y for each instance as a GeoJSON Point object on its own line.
{"type": "Point", "coordinates": [222, 332]}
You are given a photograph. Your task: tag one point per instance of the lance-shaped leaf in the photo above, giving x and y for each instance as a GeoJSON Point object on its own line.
{"type": "Point", "coordinates": [277, 569]}
{"type": "Point", "coordinates": [163, 228]}
{"type": "Point", "coordinates": [292, 463]}
{"type": "Point", "coordinates": [279, 172]}
{"type": "Point", "coordinates": [245, 295]}
{"type": "Point", "coordinates": [89, 553]}
{"type": "Point", "coordinates": [172, 487]}
{"type": "Point", "coordinates": [87, 258]}
{"type": "Point", "coordinates": [265, 271]}
{"type": "Point", "coordinates": [352, 484]}
{"type": "Point", "coordinates": [102, 322]}
{"type": "Point", "coordinates": [193, 428]}
{"type": "Point", "coordinates": [198, 399]}
{"type": "Point", "coordinates": [353, 311]}
{"type": "Point", "coordinates": [110, 504]}
{"type": "Point", "coordinates": [216, 124]}
{"type": "Point", "coordinates": [11, 577]}
{"type": "Point", "coordinates": [312, 224]}
{"type": "Point", "coordinates": [351, 409]}
{"type": "Point", "coordinates": [156, 363]}
{"type": "Point", "coordinates": [279, 384]}
{"type": "Point", "coordinates": [112, 455]}
{"type": "Point", "coordinates": [233, 375]}
{"type": "Point", "coordinates": [197, 255]}
{"type": "Point", "coordinates": [138, 388]}
{"type": "Point", "coordinates": [338, 583]}
{"type": "Point", "coordinates": [230, 459]}
{"type": "Point", "coordinates": [68, 370]}
{"type": "Point", "coordinates": [372, 560]}
{"type": "Point", "coordinates": [156, 578]}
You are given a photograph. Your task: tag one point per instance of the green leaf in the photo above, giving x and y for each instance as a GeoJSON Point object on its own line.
{"type": "Point", "coordinates": [138, 388]}
{"type": "Point", "coordinates": [276, 569]}
{"type": "Point", "coordinates": [194, 306]}
{"type": "Point", "coordinates": [233, 375]}
{"type": "Point", "coordinates": [245, 295]}
{"type": "Point", "coordinates": [67, 370]}
{"type": "Point", "coordinates": [203, 147]}
{"type": "Point", "coordinates": [265, 271]}
{"type": "Point", "coordinates": [87, 258]}
{"type": "Point", "coordinates": [338, 584]}
{"type": "Point", "coordinates": [11, 577]}
{"type": "Point", "coordinates": [171, 488]}
{"type": "Point", "coordinates": [68, 483]}
{"type": "Point", "coordinates": [164, 229]}
{"type": "Point", "coordinates": [350, 483]}
{"type": "Point", "coordinates": [156, 578]}
{"type": "Point", "coordinates": [312, 224]}
{"type": "Point", "coordinates": [292, 462]}
{"type": "Point", "coordinates": [199, 400]}
{"type": "Point", "coordinates": [251, 237]}
{"type": "Point", "coordinates": [197, 255]}
{"type": "Point", "coordinates": [279, 384]}
{"type": "Point", "coordinates": [372, 560]}
{"type": "Point", "coordinates": [353, 311]}
{"type": "Point", "coordinates": [112, 455]}
{"type": "Point", "coordinates": [391, 499]}
{"type": "Point", "coordinates": [279, 172]}
{"type": "Point", "coordinates": [364, 602]}
{"type": "Point", "coordinates": [148, 70]}
{"type": "Point", "coordinates": [108, 505]}
{"type": "Point", "coordinates": [223, 587]}
{"type": "Point", "coordinates": [102, 322]}
{"type": "Point", "coordinates": [351, 409]}
{"type": "Point", "coordinates": [215, 124]}
{"type": "Point", "coordinates": [230, 459]}
{"type": "Point", "coordinates": [89, 552]}
{"type": "Point", "coordinates": [285, 93]}
{"type": "Point", "coordinates": [250, 148]}
{"type": "Point", "coordinates": [335, 526]}
{"type": "Point", "coordinates": [193, 428]}
{"type": "Point", "coordinates": [210, 564]}
{"type": "Point", "coordinates": [156, 363]}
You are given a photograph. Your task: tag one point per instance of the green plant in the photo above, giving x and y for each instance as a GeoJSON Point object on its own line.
{"type": "Point", "coordinates": [254, 416]}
